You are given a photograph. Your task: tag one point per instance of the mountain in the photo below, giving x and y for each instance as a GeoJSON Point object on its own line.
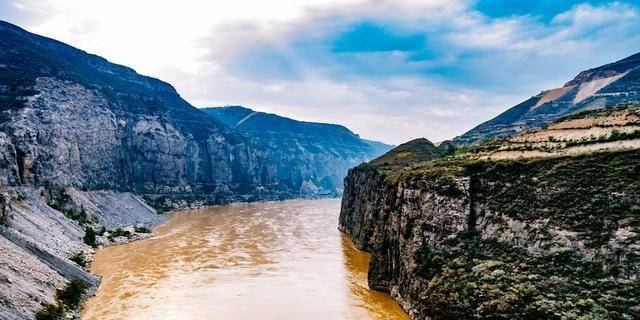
{"type": "Point", "coordinates": [543, 225]}
{"type": "Point", "coordinates": [325, 150]}
{"type": "Point", "coordinates": [86, 145]}
{"type": "Point", "coordinates": [597, 88]}
{"type": "Point", "coordinates": [72, 119]}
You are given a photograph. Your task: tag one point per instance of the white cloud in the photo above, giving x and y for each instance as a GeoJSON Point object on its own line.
{"type": "Point", "coordinates": [274, 55]}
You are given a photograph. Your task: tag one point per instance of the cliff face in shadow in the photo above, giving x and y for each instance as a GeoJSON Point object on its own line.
{"type": "Point", "coordinates": [532, 237]}
{"type": "Point", "coordinates": [315, 156]}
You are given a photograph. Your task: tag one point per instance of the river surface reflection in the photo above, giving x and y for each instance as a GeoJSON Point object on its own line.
{"type": "Point", "coordinates": [275, 260]}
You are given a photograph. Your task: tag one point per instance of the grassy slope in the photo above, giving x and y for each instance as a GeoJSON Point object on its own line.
{"type": "Point", "coordinates": [592, 195]}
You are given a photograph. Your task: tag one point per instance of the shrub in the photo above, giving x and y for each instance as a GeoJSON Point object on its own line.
{"type": "Point", "coordinates": [118, 233]}
{"type": "Point", "coordinates": [142, 230]}
{"type": "Point", "coordinates": [72, 293]}
{"type": "Point", "coordinates": [68, 297]}
{"type": "Point", "coordinates": [79, 258]}
{"type": "Point", "coordinates": [90, 237]}
{"type": "Point", "coordinates": [54, 311]}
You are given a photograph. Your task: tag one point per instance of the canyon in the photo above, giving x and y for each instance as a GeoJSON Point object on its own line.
{"type": "Point", "coordinates": [544, 225]}
{"type": "Point", "coordinates": [92, 153]}
{"type": "Point", "coordinates": [534, 214]}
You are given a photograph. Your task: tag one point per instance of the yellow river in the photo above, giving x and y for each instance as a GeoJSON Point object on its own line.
{"type": "Point", "coordinates": [274, 260]}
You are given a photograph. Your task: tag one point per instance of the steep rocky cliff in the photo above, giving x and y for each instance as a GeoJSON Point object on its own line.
{"type": "Point", "coordinates": [72, 119]}
{"type": "Point", "coordinates": [528, 237]}
{"type": "Point", "coordinates": [322, 152]}
{"type": "Point", "coordinates": [366, 187]}
{"type": "Point", "coordinates": [85, 145]}
{"type": "Point", "coordinates": [597, 88]}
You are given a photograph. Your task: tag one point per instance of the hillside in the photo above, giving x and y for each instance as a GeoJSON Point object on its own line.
{"type": "Point", "coordinates": [72, 119]}
{"type": "Point", "coordinates": [86, 145]}
{"type": "Point", "coordinates": [602, 87]}
{"type": "Point", "coordinates": [530, 227]}
{"type": "Point", "coordinates": [327, 150]}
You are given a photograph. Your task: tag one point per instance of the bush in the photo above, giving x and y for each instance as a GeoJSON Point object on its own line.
{"type": "Point", "coordinates": [68, 297]}
{"type": "Point", "coordinates": [72, 293]}
{"type": "Point", "coordinates": [143, 230]}
{"type": "Point", "coordinates": [118, 233]}
{"type": "Point", "coordinates": [79, 258]}
{"type": "Point", "coordinates": [90, 237]}
{"type": "Point", "coordinates": [54, 311]}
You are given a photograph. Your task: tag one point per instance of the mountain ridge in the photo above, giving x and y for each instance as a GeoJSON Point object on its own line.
{"type": "Point", "coordinates": [542, 225]}
{"type": "Point", "coordinates": [71, 118]}
{"type": "Point", "coordinates": [596, 88]}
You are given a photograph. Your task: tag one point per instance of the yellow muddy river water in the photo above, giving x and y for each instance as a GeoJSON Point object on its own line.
{"type": "Point", "coordinates": [275, 260]}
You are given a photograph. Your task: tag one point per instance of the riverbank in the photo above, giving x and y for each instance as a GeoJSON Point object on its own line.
{"type": "Point", "coordinates": [43, 237]}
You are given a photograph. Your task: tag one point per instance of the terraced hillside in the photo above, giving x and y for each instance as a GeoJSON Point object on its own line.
{"type": "Point", "coordinates": [606, 86]}
{"type": "Point", "coordinates": [545, 225]}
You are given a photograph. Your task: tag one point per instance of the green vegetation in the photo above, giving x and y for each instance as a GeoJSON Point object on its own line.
{"type": "Point", "coordinates": [52, 311]}
{"type": "Point", "coordinates": [142, 230]}
{"type": "Point", "coordinates": [80, 259]}
{"type": "Point", "coordinates": [473, 278]}
{"type": "Point", "coordinates": [410, 153]}
{"type": "Point", "coordinates": [90, 237]}
{"type": "Point", "coordinates": [67, 298]}
{"type": "Point", "coordinates": [71, 295]}
{"type": "Point", "coordinates": [117, 233]}
{"type": "Point", "coordinates": [62, 204]}
{"type": "Point", "coordinates": [590, 194]}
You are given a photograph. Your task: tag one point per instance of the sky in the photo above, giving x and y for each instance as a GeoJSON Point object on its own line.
{"type": "Point", "coordinates": [388, 70]}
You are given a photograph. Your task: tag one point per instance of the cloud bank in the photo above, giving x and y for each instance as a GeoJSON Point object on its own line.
{"type": "Point", "coordinates": [389, 70]}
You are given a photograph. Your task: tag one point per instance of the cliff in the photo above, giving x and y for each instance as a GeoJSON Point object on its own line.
{"type": "Point", "coordinates": [322, 152]}
{"type": "Point", "coordinates": [72, 119]}
{"type": "Point", "coordinates": [366, 185]}
{"type": "Point", "coordinates": [597, 88]}
{"type": "Point", "coordinates": [85, 144]}
{"type": "Point", "coordinates": [483, 235]}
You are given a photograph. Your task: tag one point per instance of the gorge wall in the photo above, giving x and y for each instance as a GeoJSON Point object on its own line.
{"type": "Point", "coordinates": [72, 119]}
{"type": "Point", "coordinates": [86, 144]}
{"type": "Point", "coordinates": [552, 237]}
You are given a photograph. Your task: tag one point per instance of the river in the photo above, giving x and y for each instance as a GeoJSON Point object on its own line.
{"type": "Point", "coordinates": [274, 260]}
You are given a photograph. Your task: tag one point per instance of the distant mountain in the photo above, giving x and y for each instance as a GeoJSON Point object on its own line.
{"type": "Point", "coordinates": [328, 150]}
{"type": "Point", "coordinates": [410, 153]}
{"type": "Point", "coordinates": [597, 88]}
{"type": "Point", "coordinates": [73, 119]}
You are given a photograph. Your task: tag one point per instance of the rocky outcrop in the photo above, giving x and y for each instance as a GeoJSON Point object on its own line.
{"type": "Point", "coordinates": [366, 187]}
{"type": "Point", "coordinates": [538, 238]}
{"type": "Point", "coordinates": [598, 88]}
{"type": "Point", "coordinates": [323, 152]}
{"type": "Point", "coordinates": [71, 119]}
{"type": "Point", "coordinates": [37, 241]}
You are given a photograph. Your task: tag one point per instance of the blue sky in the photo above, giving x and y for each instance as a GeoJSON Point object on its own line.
{"type": "Point", "coordinates": [389, 70]}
